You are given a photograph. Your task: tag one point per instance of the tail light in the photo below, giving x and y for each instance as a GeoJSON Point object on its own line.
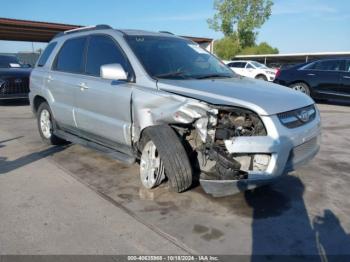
{"type": "Point", "coordinates": [278, 72]}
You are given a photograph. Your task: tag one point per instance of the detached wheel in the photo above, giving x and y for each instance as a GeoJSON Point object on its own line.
{"type": "Point", "coordinates": [301, 87]}
{"type": "Point", "coordinates": [163, 155]}
{"type": "Point", "coordinates": [261, 77]}
{"type": "Point", "coordinates": [45, 125]}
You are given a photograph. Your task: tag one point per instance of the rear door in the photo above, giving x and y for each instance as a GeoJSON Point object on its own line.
{"type": "Point", "coordinates": [103, 106]}
{"type": "Point", "coordinates": [63, 81]}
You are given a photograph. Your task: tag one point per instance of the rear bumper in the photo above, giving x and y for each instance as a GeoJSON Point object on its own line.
{"type": "Point", "coordinates": [289, 149]}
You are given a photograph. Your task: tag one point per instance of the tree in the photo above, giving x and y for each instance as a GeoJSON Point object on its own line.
{"type": "Point", "coordinates": [261, 49]}
{"type": "Point", "coordinates": [240, 18]}
{"type": "Point", "coordinates": [227, 47]}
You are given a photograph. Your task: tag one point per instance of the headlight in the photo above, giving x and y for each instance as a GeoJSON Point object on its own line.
{"type": "Point", "coordinates": [270, 73]}
{"type": "Point", "coordinates": [2, 82]}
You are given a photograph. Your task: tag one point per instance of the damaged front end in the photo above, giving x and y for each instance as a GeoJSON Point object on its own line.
{"type": "Point", "coordinates": [213, 137]}
{"type": "Point", "coordinates": [223, 171]}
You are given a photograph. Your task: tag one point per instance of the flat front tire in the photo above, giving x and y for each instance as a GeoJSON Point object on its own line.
{"type": "Point", "coordinates": [261, 77]}
{"type": "Point", "coordinates": [45, 122]}
{"type": "Point", "coordinates": [163, 155]}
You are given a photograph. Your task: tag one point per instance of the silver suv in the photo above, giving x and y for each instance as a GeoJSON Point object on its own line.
{"type": "Point", "coordinates": [165, 102]}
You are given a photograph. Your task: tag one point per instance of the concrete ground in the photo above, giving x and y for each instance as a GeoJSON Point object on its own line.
{"type": "Point", "coordinates": [72, 200]}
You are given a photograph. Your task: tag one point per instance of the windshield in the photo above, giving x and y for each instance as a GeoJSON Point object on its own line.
{"type": "Point", "coordinates": [9, 62]}
{"type": "Point", "coordinates": [176, 58]}
{"type": "Point", "coordinates": [258, 65]}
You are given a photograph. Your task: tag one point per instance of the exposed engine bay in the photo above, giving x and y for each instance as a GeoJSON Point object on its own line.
{"type": "Point", "coordinates": [207, 140]}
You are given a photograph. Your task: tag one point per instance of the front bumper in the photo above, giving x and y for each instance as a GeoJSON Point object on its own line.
{"type": "Point", "coordinates": [270, 78]}
{"type": "Point", "coordinates": [14, 96]}
{"type": "Point", "coordinates": [289, 148]}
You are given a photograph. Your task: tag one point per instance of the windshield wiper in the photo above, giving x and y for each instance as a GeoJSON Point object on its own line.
{"type": "Point", "coordinates": [212, 76]}
{"type": "Point", "coordinates": [172, 74]}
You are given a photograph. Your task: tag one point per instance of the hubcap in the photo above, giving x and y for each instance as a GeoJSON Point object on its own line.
{"type": "Point", "coordinates": [300, 88]}
{"type": "Point", "coordinates": [45, 123]}
{"type": "Point", "coordinates": [151, 167]}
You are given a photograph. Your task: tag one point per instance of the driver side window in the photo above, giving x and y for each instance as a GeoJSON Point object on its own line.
{"type": "Point", "coordinates": [249, 66]}
{"type": "Point", "coordinates": [103, 50]}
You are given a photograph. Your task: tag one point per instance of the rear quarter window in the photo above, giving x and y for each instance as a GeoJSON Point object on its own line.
{"type": "Point", "coordinates": [46, 54]}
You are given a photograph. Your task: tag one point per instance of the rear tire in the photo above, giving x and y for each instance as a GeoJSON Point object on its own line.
{"type": "Point", "coordinates": [172, 155]}
{"type": "Point", "coordinates": [46, 122]}
{"type": "Point", "coordinates": [301, 87]}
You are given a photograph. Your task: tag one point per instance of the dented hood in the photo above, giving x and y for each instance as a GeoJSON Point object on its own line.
{"type": "Point", "coordinates": [262, 97]}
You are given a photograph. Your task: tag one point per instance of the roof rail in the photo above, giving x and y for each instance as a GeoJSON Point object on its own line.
{"type": "Point", "coordinates": [166, 32]}
{"type": "Point", "coordinates": [83, 29]}
{"type": "Point", "coordinates": [87, 28]}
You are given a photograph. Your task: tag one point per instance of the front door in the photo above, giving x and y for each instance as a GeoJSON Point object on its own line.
{"type": "Point", "coordinates": [103, 106]}
{"type": "Point", "coordinates": [345, 75]}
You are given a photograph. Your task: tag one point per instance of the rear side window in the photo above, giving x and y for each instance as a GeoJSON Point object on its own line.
{"type": "Point", "coordinates": [237, 64]}
{"type": "Point", "coordinates": [102, 50]}
{"type": "Point", "coordinates": [327, 65]}
{"type": "Point", "coordinates": [71, 56]}
{"type": "Point", "coordinates": [46, 54]}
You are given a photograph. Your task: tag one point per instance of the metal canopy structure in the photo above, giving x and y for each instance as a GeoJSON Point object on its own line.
{"type": "Point", "coordinates": [292, 58]}
{"type": "Point", "coordinates": [34, 31]}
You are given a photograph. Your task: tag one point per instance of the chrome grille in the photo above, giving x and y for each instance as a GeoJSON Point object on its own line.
{"type": "Point", "coordinates": [15, 86]}
{"type": "Point", "coordinates": [298, 117]}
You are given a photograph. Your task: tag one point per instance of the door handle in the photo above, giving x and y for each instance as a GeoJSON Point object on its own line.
{"type": "Point", "coordinates": [311, 74]}
{"type": "Point", "coordinates": [83, 86]}
{"type": "Point", "coordinates": [49, 78]}
{"type": "Point", "coordinates": [346, 77]}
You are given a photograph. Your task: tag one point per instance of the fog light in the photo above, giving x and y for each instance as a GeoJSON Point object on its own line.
{"type": "Point", "coordinates": [261, 161]}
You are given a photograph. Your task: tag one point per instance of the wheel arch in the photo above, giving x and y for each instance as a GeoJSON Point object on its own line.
{"type": "Point", "coordinates": [37, 101]}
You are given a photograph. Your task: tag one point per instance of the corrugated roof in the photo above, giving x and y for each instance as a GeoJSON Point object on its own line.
{"type": "Point", "coordinates": [37, 31]}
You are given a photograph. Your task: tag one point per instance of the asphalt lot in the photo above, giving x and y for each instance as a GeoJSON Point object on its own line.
{"type": "Point", "coordinates": [72, 200]}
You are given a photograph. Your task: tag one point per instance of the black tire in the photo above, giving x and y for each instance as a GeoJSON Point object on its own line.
{"type": "Point", "coordinates": [301, 87]}
{"type": "Point", "coordinates": [177, 166]}
{"type": "Point", "coordinates": [261, 77]}
{"type": "Point", "coordinates": [53, 139]}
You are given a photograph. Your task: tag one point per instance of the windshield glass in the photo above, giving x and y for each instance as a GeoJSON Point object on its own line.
{"type": "Point", "coordinates": [258, 65]}
{"type": "Point", "coordinates": [175, 58]}
{"type": "Point", "coordinates": [9, 61]}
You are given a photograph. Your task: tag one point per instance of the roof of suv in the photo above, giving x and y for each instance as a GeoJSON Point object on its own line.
{"type": "Point", "coordinates": [130, 32]}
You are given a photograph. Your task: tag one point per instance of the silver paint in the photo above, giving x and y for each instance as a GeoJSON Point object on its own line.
{"type": "Point", "coordinates": [120, 110]}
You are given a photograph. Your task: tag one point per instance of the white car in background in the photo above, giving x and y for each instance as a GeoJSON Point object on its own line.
{"type": "Point", "coordinates": [252, 69]}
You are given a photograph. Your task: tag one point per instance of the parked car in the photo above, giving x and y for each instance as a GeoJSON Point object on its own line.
{"type": "Point", "coordinates": [14, 78]}
{"type": "Point", "coordinates": [163, 100]}
{"type": "Point", "coordinates": [252, 69]}
{"type": "Point", "coordinates": [322, 79]}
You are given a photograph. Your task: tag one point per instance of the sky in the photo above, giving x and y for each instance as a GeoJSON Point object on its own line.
{"type": "Point", "coordinates": [294, 26]}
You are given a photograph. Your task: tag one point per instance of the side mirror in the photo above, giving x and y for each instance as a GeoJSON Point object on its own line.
{"type": "Point", "coordinates": [113, 72]}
